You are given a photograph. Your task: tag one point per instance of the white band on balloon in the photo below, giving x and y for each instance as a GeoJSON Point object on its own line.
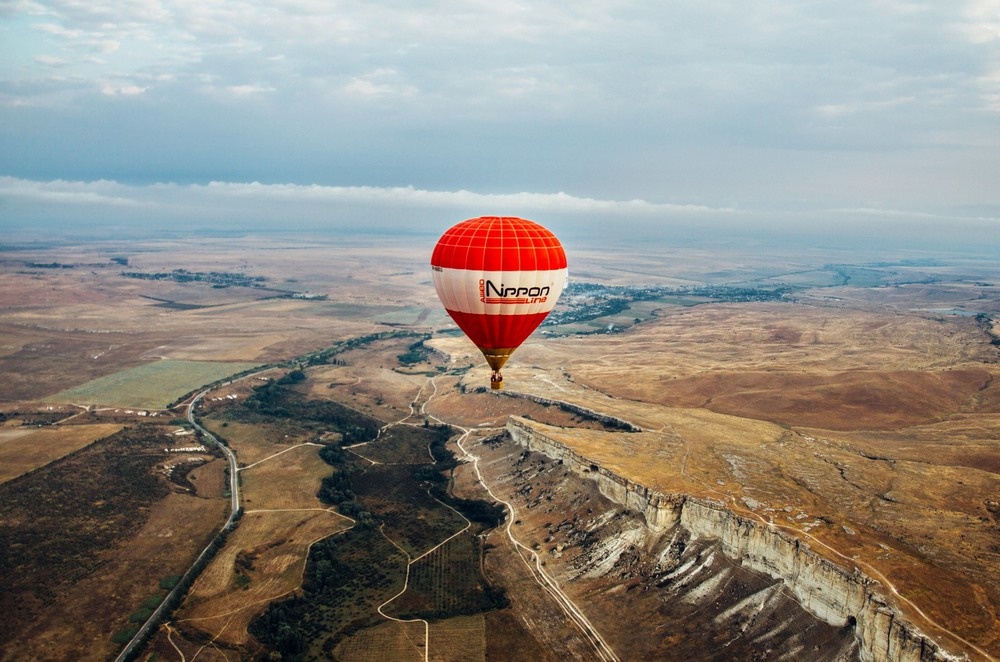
{"type": "Point", "coordinates": [498, 292]}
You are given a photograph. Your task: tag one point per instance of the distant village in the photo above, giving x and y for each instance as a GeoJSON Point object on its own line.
{"type": "Point", "coordinates": [214, 278]}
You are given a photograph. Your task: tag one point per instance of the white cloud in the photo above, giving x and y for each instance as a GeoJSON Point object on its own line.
{"type": "Point", "coordinates": [381, 83]}
{"type": "Point", "coordinates": [243, 90]}
{"type": "Point", "coordinates": [94, 210]}
{"type": "Point", "coordinates": [99, 193]}
{"type": "Point", "coordinates": [111, 90]}
{"type": "Point", "coordinates": [410, 196]}
{"type": "Point", "coordinates": [979, 21]}
{"type": "Point", "coordinates": [51, 61]}
{"type": "Point", "coordinates": [230, 199]}
{"type": "Point", "coordinates": [839, 110]}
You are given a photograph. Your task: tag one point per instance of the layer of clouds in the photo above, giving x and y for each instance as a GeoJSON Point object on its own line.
{"type": "Point", "coordinates": [271, 207]}
{"type": "Point", "coordinates": [43, 211]}
{"type": "Point", "coordinates": [697, 106]}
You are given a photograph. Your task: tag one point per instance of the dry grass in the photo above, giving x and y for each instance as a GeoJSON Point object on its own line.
{"type": "Point", "coordinates": [253, 442]}
{"type": "Point", "coordinates": [75, 625]}
{"type": "Point", "coordinates": [209, 479]}
{"type": "Point", "coordinates": [866, 406]}
{"type": "Point", "coordinates": [286, 480]}
{"type": "Point", "coordinates": [24, 449]}
{"type": "Point", "coordinates": [278, 541]}
{"type": "Point", "coordinates": [460, 638]}
{"type": "Point", "coordinates": [869, 432]}
{"type": "Point", "coordinates": [391, 640]}
{"type": "Point", "coordinates": [282, 519]}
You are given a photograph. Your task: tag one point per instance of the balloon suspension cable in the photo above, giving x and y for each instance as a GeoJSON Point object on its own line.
{"type": "Point", "coordinates": [496, 380]}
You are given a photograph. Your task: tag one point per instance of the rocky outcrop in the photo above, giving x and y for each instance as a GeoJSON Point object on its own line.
{"type": "Point", "coordinates": [661, 511]}
{"type": "Point", "coordinates": [609, 422]}
{"type": "Point", "coordinates": [833, 594]}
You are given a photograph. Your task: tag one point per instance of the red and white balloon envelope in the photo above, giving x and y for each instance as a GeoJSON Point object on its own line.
{"type": "Point", "coordinates": [498, 277]}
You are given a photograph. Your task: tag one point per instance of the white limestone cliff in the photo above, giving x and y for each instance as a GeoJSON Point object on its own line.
{"type": "Point", "coordinates": [831, 593]}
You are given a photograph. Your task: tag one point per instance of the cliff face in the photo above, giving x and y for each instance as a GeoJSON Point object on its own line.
{"type": "Point", "coordinates": [832, 594]}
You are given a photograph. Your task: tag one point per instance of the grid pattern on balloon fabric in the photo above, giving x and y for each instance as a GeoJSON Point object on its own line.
{"type": "Point", "coordinates": [499, 243]}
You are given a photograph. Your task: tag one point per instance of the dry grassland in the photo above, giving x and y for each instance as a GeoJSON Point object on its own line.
{"type": "Point", "coordinates": [392, 640]}
{"type": "Point", "coordinates": [75, 625]}
{"type": "Point", "coordinates": [368, 381]}
{"type": "Point", "coordinates": [286, 480]}
{"type": "Point", "coordinates": [870, 435]}
{"type": "Point", "coordinates": [209, 479]}
{"type": "Point", "coordinates": [22, 450]}
{"type": "Point", "coordinates": [865, 419]}
{"type": "Point", "coordinates": [459, 638]}
{"type": "Point", "coordinates": [278, 542]}
{"type": "Point", "coordinates": [252, 442]}
{"type": "Point", "coordinates": [64, 327]}
{"type": "Point", "coordinates": [283, 518]}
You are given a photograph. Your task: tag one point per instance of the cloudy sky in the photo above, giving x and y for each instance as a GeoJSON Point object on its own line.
{"type": "Point", "coordinates": [367, 111]}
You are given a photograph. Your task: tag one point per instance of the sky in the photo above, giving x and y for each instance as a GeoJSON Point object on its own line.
{"type": "Point", "coordinates": [617, 116]}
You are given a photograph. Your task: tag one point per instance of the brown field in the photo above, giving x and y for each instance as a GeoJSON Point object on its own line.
{"type": "Point", "coordinates": [460, 638]}
{"type": "Point", "coordinates": [285, 481]}
{"type": "Point", "coordinates": [278, 542]}
{"type": "Point", "coordinates": [392, 640]}
{"type": "Point", "coordinates": [367, 382]}
{"type": "Point", "coordinates": [869, 434]}
{"type": "Point", "coordinates": [463, 637]}
{"type": "Point", "coordinates": [79, 624]}
{"type": "Point", "coordinates": [24, 449]}
{"type": "Point", "coordinates": [208, 479]}
{"type": "Point", "coordinates": [256, 441]}
{"type": "Point", "coordinates": [283, 518]}
{"type": "Point", "coordinates": [863, 417]}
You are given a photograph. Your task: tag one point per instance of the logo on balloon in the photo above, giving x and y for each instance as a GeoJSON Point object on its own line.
{"type": "Point", "coordinates": [504, 294]}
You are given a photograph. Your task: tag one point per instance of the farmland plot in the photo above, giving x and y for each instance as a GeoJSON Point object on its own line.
{"type": "Point", "coordinates": [24, 449]}
{"type": "Point", "coordinates": [390, 640]}
{"type": "Point", "coordinates": [150, 386]}
{"type": "Point", "coordinates": [453, 639]}
{"type": "Point", "coordinates": [446, 582]}
{"type": "Point", "coordinates": [285, 481]}
{"type": "Point", "coordinates": [251, 442]}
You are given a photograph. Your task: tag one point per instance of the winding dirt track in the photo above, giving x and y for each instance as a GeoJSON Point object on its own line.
{"type": "Point", "coordinates": [602, 649]}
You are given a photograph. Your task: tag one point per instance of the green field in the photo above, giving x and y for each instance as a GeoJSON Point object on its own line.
{"type": "Point", "coordinates": [150, 386]}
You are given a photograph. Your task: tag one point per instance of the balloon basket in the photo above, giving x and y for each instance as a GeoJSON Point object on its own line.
{"type": "Point", "coordinates": [497, 385]}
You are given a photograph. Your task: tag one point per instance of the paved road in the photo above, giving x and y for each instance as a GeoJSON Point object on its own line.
{"type": "Point", "coordinates": [234, 488]}
{"type": "Point", "coordinates": [234, 482]}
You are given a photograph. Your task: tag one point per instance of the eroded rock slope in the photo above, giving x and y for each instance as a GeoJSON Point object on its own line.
{"type": "Point", "coordinates": [671, 577]}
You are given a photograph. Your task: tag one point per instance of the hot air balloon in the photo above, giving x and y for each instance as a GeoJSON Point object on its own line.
{"type": "Point", "coordinates": [498, 277]}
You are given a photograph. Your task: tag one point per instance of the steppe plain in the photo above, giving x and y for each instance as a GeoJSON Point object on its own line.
{"type": "Point", "coordinates": [859, 410]}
